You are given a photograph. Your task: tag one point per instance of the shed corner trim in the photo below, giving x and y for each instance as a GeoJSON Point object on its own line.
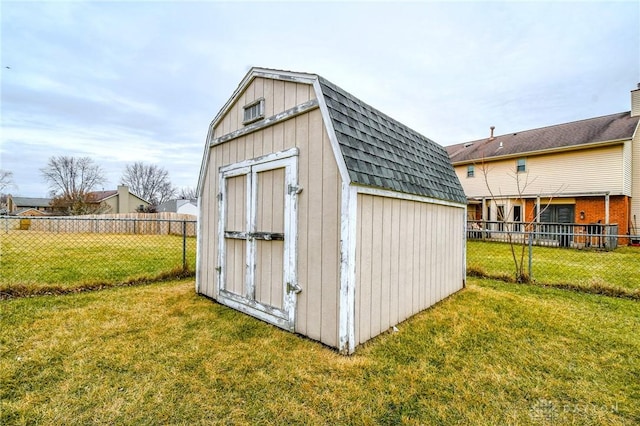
{"type": "Point", "coordinates": [348, 229]}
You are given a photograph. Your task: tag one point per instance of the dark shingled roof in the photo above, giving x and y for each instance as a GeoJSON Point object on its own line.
{"type": "Point", "coordinates": [102, 195]}
{"type": "Point", "coordinates": [20, 202]}
{"type": "Point", "coordinates": [600, 129]}
{"type": "Point", "coordinates": [381, 152]}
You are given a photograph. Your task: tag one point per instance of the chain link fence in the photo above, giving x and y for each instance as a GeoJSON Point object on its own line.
{"type": "Point", "coordinates": [591, 258]}
{"type": "Point", "coordinates": [64, 254]}
{"type": "Point", "coordinates": [40, 255]}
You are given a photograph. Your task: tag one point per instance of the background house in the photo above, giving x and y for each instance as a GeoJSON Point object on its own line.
{"type": "Point", "coordinates": [28, 206]}
{"type": "Point", "coordinates": [322, 215]}
{"type": "Point", "coordinates": [119, 200]}
{"type": "Point", "coordinates": [180, 206]}
{"type": "Point", "coordinates": [113, 201]}
{"type": "Point", "coordinates": [588, 170]}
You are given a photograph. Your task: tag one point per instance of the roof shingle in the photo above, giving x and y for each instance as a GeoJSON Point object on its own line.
{"type": "Point", "coordinates": [600, 129]}
{"type": "Point", "coordinates": [381, 152]}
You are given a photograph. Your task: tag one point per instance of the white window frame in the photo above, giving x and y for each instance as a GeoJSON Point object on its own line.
{"type": "Point", "coordinates": [471, 171]}
{"type": "Point", "coordinates": [521, 162]}
{"type": "Point", "coordinates": [253, 111]}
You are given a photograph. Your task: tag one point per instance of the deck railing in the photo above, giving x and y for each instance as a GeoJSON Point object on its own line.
{"type": "Point", "coordinates": [571, 235]}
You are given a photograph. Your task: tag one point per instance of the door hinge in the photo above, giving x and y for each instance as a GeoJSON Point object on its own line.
{"type": "Point", "coordinates": [219, 196]}
{"type": "Point", "coordinates": [294, 189]}
{"type": "Point", "coordinates": [293, 288]}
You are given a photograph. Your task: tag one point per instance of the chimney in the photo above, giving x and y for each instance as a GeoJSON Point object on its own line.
{"type": "Point", "coordinates": [635, 102]}
{"type": "Point", "coordinates": [123, 199]}
{"type": "Point", "coordinates": [492, 129]}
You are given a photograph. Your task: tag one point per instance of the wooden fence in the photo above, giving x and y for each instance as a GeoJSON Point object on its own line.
{"type": "Point", "coordinates": [125, 223]}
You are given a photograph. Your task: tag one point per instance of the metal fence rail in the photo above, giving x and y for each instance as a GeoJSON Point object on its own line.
{"type": "Point", "coordinates": [573, 235]}
{"type": "Point", "coordinates": [72, 252]}
{"type": "Point", "coordinates": [41, 253]}
{"type": "Point", "coordinates": [571, 257]}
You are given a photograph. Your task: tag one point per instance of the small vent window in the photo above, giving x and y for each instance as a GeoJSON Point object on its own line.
{"type": "Point", "coordinates": [521, 165]}
{"type": "Point", "coordinates": [253, 111]}
{"type": "Point", "coordinates": [471, 171]}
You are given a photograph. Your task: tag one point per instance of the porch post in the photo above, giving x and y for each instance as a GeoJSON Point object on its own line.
{"type": "Point", "coordinates": [606, 209]}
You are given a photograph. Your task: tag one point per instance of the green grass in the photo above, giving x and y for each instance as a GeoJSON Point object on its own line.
{"type": "Point", "coordinates": [494, 353]}
{"type": "Point", "coordinates": [614, 272]}
{"type": "Point", "coordinates": [37, 262]}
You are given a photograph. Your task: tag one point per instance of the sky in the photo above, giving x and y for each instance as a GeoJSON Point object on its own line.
{"type": "Point", "coordinates": [124, 81]}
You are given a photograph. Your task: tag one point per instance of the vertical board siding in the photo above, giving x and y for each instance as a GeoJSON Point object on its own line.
{"type": "Point", "coordinates": [278, 97]}
{"type": "Point", "coordinates": [270, 254]}
{"type": "Point", "coordinates": [331, 205]}
{"type": "Point", "coordinates": [408, 257]}
{"type": "Point", "coordinates": [318, 203]}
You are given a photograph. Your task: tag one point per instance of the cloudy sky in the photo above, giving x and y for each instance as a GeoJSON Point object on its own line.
{"type": "Point", "coordinates": [140, 81]}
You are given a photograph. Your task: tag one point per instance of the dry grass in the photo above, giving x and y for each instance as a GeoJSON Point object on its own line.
{"type": "Point", "coordinates": [614, 273]}
{"type": "Point", "coordinates": [159, 354]}
{"type": "Point", "coordinates": [33, 263]}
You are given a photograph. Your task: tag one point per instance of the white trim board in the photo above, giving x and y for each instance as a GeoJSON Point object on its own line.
{"type": "Point", "coordinates": [404, 196]}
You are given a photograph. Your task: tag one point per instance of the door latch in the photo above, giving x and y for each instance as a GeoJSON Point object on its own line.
{"type": "Point", "coordinates": [293, 288]}
{"type": "Point", "coordinates": [294, 189]}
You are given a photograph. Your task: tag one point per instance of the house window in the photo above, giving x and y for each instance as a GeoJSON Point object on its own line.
{"type": "Point", "coordinates": [471, 171]}
{"type": "Point", "coordinates": [254, 111]}
{"type": "Point", "coordinates": [521, 165]}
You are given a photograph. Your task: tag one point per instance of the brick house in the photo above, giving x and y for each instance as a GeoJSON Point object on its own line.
{"type": "Point", "coordinates": [583, 172]}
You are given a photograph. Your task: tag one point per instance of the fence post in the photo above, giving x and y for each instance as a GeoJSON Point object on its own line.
{"type": "Point", "coordinates": [184, 245]}
{"type": "Point", "coordinates": [530, 256]}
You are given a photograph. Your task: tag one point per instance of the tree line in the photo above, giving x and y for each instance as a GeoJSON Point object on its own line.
{"type": "Point", "coordinates": [72, 183]}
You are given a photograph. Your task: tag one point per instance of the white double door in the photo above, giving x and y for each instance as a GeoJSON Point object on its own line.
{"type": "Point", "coordinates": [257, 237]}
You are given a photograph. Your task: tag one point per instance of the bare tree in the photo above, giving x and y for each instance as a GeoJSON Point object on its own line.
{"type": "Point", "coordinates": [72, 177]}
{"type": "Point", "coordinates": [6, 180]}
{"type": "Point", "coordinates": [71, 180]}
{"type": "Point", "coordinates": [87, 204]}
{"type": "Point", "coordinates": [149, 182]}
{"type": "Point", "coordinates": [188, 193]}
{"type": "Point", "coordinates": [517, 245]}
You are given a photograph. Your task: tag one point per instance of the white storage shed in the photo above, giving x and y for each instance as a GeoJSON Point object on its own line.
{"type": "Point", "coordinates": [322, 215]}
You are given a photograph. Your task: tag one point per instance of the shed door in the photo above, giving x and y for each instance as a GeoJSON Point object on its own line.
{"type": "Point", "coordinates": [258, 213]}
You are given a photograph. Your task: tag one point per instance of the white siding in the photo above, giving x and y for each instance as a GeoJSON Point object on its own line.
{"type": "Point", "coordinates": [635, 182]}
{"type": "Point", "coordinates": [408, 257]}
{"type": "Point", "coordinates": [627, 155]}
{"type": "Point", "coordinates": [589, 170]}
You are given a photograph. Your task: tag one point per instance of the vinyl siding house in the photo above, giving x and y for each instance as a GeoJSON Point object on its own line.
{"type": "Point", "coordinates": [120, 200]}
{"type": "Point", "coordinates": [180, 206]}
{"type": "Point", "coordinates": [586, 172]}
{"type": "Point", "coordinates": [28, 206]}
{"type": "Point", "coordinates": [323, 216]}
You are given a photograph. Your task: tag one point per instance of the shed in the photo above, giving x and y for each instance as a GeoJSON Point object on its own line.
{"type": "Point", "coordinates": [322, 215]}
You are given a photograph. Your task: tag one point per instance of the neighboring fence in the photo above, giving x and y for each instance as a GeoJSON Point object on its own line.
{"type": "Point", "coordinates": [573, 235]}
{"type": "Point", "coordinates": [574, 255]}
{"type": "Point", "coordinates": [129, 223]}
{"type": "Point", "coordinates": [41, 252]}
{"type": "Point", "coordinates": [70, 251]}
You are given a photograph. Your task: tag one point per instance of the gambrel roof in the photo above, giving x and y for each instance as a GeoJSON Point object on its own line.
{"type": "Point", "coordinates": [613, 128]}
{"type": "Point", "coordinates": [375, 149]}
{"type": "Point", "coordinates": [382, 152]}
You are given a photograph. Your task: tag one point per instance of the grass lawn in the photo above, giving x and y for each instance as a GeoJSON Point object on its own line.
{"type": "Point", "coordinates": [37, 262]}
{"type": "Point", "coordinates": [494, 353]}
{"type": "Point", "coordinates": [617, 270]}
